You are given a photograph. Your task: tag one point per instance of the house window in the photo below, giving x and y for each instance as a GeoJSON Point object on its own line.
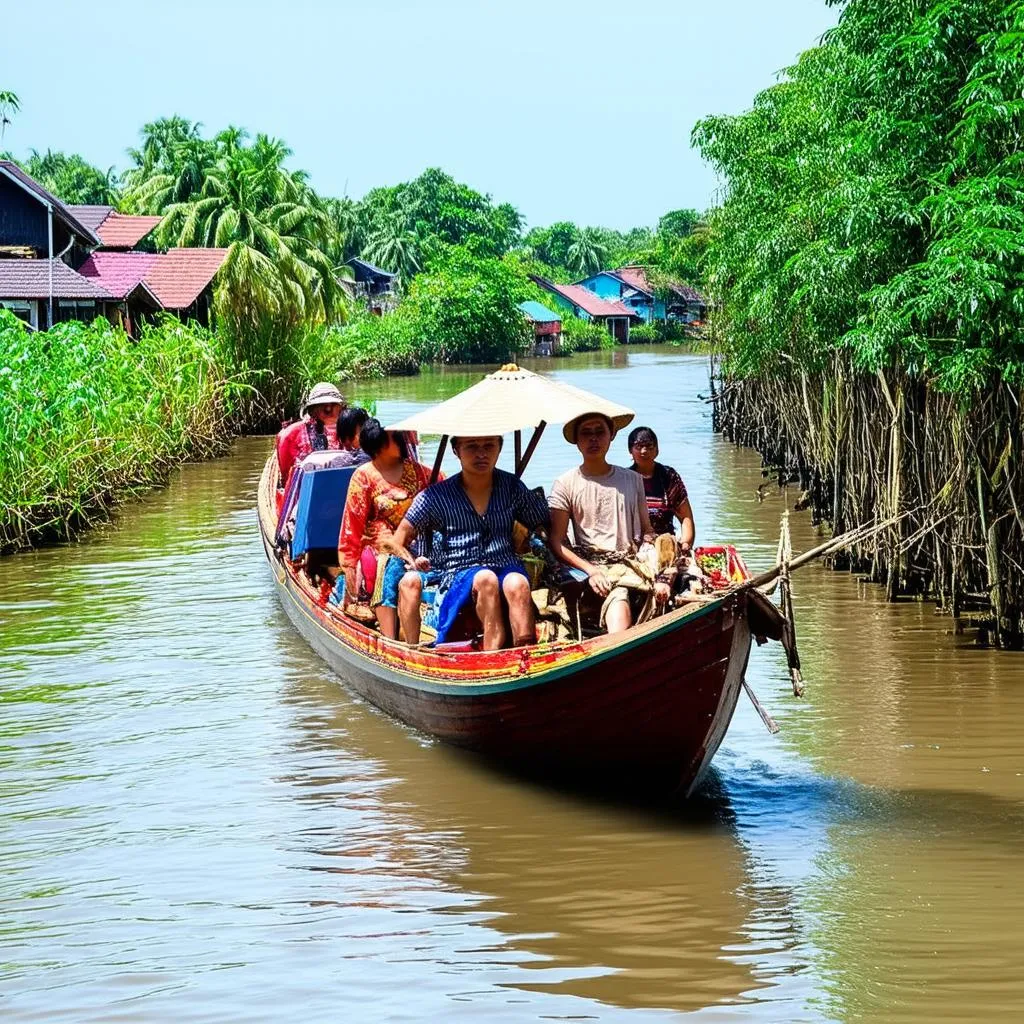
{"type": "Point", "coordinates": [26, 311]}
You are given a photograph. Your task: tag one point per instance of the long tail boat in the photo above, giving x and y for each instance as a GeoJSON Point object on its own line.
{"type": "Point", "coordinates": [648, 707]}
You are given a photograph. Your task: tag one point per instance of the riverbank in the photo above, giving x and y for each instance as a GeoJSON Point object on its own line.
{"type": "Point", "coordinates": [868, 448]}
{"type": "Point", "coordinates": [93, 417]}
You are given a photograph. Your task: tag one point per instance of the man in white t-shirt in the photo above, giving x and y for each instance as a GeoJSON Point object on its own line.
{"type": "Point", "coordinates": [608, 511]}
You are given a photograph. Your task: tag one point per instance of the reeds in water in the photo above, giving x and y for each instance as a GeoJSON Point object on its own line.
{"type": "Point", "coordinates": [90, 415]}
{"type": "Point", "coordinates": [945, 470]}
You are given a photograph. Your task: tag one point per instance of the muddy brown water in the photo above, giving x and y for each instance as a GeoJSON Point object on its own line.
{"type": "Point", "coordinates": [201, 824]}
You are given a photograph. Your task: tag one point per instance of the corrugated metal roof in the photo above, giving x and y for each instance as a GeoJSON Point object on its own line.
{"type": "Point", "coordinates": [70, 221]}
{"type": "Point", "coordinates": [538, 313]}
{"type": "Point", "coordinates": [30, 279]}
{"type": "Point", "coordinates": [179, 276]}
{"type": "Point", "coordinates": [586, 299]}
{"type": "Point", "coordinates": [118, 272]}
{"type": "Point", "coordinates": [366, 267]}
{"type": "Point", "coordinates": [91, 216]}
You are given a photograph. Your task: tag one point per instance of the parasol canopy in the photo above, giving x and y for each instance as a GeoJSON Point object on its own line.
{"type": "Point", "coordinates": [511, 399]}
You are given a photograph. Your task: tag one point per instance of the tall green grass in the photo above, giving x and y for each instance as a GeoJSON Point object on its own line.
{"type": "Point", "coordinates": [88, 415]}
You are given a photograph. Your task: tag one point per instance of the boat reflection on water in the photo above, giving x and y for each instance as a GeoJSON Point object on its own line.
{"type": "Point", "coordinates": [569, 894]}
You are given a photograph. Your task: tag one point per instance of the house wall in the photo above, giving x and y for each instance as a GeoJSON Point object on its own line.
{"type": "Point", "coordinates": [23, 220]}
{"type": "Point", "coordinates": [604, 285]}
{"type": "Point", "coordinates": [611, 288]}
{"type": "Point", "coordinates": [563, 303]}
{"type": "Point", "coordinates": [24, 309]}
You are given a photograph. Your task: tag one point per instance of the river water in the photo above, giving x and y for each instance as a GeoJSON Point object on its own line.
{"type": "Point", "coordinates": [201, 824]}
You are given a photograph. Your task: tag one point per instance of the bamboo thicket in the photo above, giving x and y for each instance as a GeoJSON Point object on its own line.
{"type": "Point", "coordinates": [867, 271]}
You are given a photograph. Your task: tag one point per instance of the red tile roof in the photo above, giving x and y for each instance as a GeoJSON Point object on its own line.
{"type": "Point", "coordinates": [179, 276]}
{"type": "Point", "coordinates": [586, 299]}
{"type": "Point", "coordinates": [61, 212]}
{"type": "Point", "coordinates": [115, 230]}
{"type": "Point", "coordinates": [635, 277]}
{"type": "Point", "coordinates": [122, 230]}
{"type": "Point", "coordinates": [118, 272]}
{"type": "Point", "coordinates": [30, 279]}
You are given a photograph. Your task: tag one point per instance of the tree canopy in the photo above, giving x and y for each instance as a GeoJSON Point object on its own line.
{"type": "Point", "coordinates": [875, 198]}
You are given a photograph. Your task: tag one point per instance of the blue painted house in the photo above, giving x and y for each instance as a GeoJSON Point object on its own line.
{"type": "Point", "coordinates": [584, 303]}
{"type": "Point", "coordinates": [630, 286]}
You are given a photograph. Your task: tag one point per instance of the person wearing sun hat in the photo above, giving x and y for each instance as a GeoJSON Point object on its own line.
{"type": "Point", "coordinates": [317, 431]}
{"type": "Point", "coordinates": [608, 511]}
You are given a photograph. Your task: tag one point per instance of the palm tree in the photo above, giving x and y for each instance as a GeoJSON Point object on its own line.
{"type": "Point", "coordinates": [9, 104]}
{"type": "Point", "coordinates": [267, 218]}
{"type": "Point", "coordinates": [185, 174]}
{"type": "Point", "coordinates": [392, 246]}
{"type": "Point", "coordinates": [160, 139]}
{"type": "Point", "coordinates": [587, 253]}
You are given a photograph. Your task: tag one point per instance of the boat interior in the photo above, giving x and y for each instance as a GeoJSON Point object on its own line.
{"type": "Point", "coordinates": [308, 516]}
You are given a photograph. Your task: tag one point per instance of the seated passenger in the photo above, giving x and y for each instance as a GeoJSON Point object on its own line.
{"type": "Point", "coordinates": [664, 489]}
{"type": "Point", "coordinates": [317, 431]}
{"type": "Point", "coordinates": [471, 516]}
{"type": "Point", "coordinates": [379, 495]}
{"type": "Point", "coordinates": [350, 425]}
{"type": "Point", "coordinates": [608, 512]}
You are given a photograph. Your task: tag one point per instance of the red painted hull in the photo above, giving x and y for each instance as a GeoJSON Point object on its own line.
{"type": "Point", "coordinates": [647, 707]}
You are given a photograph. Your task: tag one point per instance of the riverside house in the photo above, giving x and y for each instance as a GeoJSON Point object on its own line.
{"type": "Point", "coordinates": [62, 262]}
{"type": "Point", "coordinates": [371, 285]}
{"type": "Point", "coordinates": [585, 304]}
{"type": "Point", "coordinates": [630, 285]}
{"type": "Point", "coordinates": [547, 328]}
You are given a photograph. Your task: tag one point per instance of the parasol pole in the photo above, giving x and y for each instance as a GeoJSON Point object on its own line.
{"type": "Point", "coordinates": [436, 472]}
{"type": "Point", "coordinates": [519, 450]}
{"type": "Point", "coordinates": [522, 463]}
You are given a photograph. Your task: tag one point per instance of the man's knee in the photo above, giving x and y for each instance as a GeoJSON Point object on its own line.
{"type": "Point", "coordinates": [516, 587]}
{"type": "Point", "coordinates": [411, 585]}
{"type": "Point", "coordinates": [485, 582]}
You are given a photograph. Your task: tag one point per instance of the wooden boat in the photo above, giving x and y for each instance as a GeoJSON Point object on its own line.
{"type": "Point", "coordinates": [646, 707]}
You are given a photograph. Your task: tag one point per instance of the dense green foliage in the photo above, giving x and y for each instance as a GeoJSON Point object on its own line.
{"type": "Point", "coordinates": [73, 179]}
{"type": "Point", "coordinates": [90, 414]}
{"type": "Point", "coordinates": [404, 227]}
{"type": "Point", "coordinates": [875, 198]}
{"type": "Point", "coordinates": [868, 269]}
{"type": "Point", "coordinates": [583, 336]}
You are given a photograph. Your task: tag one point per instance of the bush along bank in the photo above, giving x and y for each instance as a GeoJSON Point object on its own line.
{"type": "Point", "coordinates": [866, 272]}
{"type": "Point", "coordinates": [870, 448]}
{"type": "Point", "coordinates": [90, 416]}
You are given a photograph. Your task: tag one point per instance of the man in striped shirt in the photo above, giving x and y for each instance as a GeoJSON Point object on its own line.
{"type": "Point", "coordinates": [470, 517]}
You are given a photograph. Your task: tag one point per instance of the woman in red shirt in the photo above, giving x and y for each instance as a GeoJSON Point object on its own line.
{"type": "Point", "coordinates": [664, 489]}
{"type": "Point", "coordinates": [317, 431]}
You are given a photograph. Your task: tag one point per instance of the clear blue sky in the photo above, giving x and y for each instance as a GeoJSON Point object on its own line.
{"type": "Point", "coordinates": [569, 110]}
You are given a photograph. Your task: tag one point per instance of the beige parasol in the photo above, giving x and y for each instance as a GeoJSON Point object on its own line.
{"type": "Point", "coordinates": [509, 400]}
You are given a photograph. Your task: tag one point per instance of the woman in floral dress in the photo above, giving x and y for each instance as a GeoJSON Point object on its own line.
{"type": "Point", "coordinates": [379, 495]}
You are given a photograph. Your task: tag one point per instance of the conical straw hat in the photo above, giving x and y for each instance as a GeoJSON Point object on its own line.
{"type": "Point", "coordinates": [511, 399]}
